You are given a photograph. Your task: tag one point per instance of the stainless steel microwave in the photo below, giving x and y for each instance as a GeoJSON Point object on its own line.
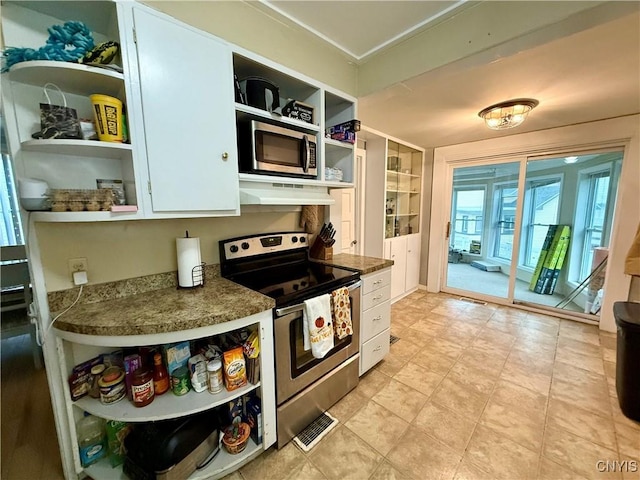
{"type": "Point", "coordinates": [272, 150]}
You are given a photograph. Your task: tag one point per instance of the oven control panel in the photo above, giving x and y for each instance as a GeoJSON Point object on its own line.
{"type": "Point", "coordinates": [261, 244]}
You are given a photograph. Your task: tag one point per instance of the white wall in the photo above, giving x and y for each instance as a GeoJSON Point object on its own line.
{"type": "Point", "coordinates": [619, 132]}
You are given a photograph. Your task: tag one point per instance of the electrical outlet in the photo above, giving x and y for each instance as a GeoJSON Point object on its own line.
{"type": "Point", "coordinates": [77, 265]}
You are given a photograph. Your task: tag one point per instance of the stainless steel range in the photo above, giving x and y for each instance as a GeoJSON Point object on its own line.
{"type": "Point", "coordinates": [277, 265]}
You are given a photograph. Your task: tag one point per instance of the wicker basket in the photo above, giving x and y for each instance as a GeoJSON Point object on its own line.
{"type": "Point", "coordinates": [238, 442]}
{"type": "Point", "coordinates": [81, 200]}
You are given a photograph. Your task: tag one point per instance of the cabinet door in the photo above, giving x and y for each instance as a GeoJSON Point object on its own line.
{"type": "Point", "coordinates": [398, 271]}
{"type": "Point", "coordinates": [412, 278]}
{"type": "Point", "coordinates": [186, 81]}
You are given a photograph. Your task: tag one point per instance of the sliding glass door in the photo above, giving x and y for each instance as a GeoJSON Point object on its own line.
{"type": "Point", "coordinates": [534, 231]}
{"type": "Point", "coordinates": [482, 225]}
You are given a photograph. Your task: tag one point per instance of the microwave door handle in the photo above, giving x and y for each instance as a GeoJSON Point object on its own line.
{"type": "Point", "coordinates": [307, 154]}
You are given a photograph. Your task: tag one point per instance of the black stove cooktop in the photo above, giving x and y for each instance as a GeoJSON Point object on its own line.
{"type": "Point", "coordinates": [276, 265]}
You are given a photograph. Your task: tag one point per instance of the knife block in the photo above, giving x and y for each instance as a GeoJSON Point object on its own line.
{"type": "Point", "coordinates": [320, 251]}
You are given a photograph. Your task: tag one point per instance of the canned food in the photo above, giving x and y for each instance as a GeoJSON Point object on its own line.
{"type": "Point", "coordinates": [180, 381]}
{"type": "Point", "coordinates": [111, 384]}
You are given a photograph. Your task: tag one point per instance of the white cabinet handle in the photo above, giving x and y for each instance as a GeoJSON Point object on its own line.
{"type": "Point", "coordinates": [377, 282]}
{"type": "Point", "coordinates": [377, 349]}
{"type": "Point", "coordinates": [377, 319]}
{"type": "Point", "coordinates": [225, 155]}
{"type": "Point", "coordinates": [377, 298]}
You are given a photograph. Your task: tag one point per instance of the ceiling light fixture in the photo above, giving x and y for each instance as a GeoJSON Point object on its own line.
{"type": "Point", "coordinates": [570, 159]}
{"type": "Point", "coordinates": [507, 114]}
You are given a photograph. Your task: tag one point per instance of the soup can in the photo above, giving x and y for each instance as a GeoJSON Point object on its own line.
{"type": "Point", "coordinates": [180, 381]}
{"type": "Point", "coordinates": [111, 385]}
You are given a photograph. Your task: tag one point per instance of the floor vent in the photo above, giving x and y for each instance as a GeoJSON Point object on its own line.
{"type": "Point", "coordinates": [315, 431]}
{"type": "Point", "coordinates": [393, 339]}
{"type": "Point", "coordinates": [472, 300]}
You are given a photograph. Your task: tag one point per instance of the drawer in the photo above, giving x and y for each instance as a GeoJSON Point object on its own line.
{"type": "Point", "coordinates": [374, 350]}
{"type": "Point", "coordinates": [376, 281]}
{"type": "Point", "coordinates": [375, 320]}
{"type": "Point", "coordinates": [376, 297]}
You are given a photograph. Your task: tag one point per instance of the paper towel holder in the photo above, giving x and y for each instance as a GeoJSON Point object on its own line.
{"type": "Point", "coordinates": [197, 277]}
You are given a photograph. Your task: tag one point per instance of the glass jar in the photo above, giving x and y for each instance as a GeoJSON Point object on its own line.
{"type": "Point", "coordinates": [142, 392]}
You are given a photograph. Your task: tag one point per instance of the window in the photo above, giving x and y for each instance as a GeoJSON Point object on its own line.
{"type": "Point", "coordinates": [468, 211]}
{"type": "Point", "coordinates": [595, 217]}
{"type": "Point", "coordinates": [11, 227]}
{"type": "Point", "coordinates": [542, 203]}
{"type": "Point", "coordinates": [506, 196]}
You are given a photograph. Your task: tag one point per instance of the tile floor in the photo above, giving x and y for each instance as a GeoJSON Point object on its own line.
{"type": "Point", "coordinates": [474, 392]}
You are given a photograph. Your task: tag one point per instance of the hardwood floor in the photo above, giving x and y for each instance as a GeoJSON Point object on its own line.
{"type": "Point", "coordinates": [29, 448]}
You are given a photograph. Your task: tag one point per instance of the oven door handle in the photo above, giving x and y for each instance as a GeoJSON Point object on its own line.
{"type": "Point", "coordinates": [281, 312]}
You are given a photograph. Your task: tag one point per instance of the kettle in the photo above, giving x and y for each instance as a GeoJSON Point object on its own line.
{"type": "Point", "coordinates": [261, 93]}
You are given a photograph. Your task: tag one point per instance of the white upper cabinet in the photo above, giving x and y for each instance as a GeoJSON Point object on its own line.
{"type": "Point", "coordinates": [186, 85]}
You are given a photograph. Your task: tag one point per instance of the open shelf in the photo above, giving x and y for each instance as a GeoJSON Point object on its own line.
{"type": "Point", "coordinates": [338, 143]}
{"type": "Point", "coordinates": [163, 407]}
{"type": "Point", "coordinates": [253, 112]}
{"type": "Point", "coordinates": [79, 148]}
{"type": "Point", "coordinates": [70, 77]}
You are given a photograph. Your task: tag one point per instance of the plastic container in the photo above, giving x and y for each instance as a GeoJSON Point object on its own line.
{"type": "Point", "coordinates": [180, 381]}
{"type": "Point", "coordinates": [112, 386]}
{"type": "Point", "coordinates": [214, 374]}
{"type": "Point", "coordinates": [627, 315]}
{"type": "Point", "coordinates": [91, 439]}
{"type": "Point", "coordinates": [107, 112]}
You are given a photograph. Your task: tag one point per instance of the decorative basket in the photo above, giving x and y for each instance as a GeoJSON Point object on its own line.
{"type": "Point", "coordinates": [81, 200]}
{"type": "Point", "coordinates": [236, 437]}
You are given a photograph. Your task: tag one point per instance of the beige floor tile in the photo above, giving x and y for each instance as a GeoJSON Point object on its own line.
{"type": "Point", "coordinates": [610, 369]}
{"type": "Point", "coordinates": [628, 441]}
{"type": "Point", "coordinates": [514, 424]}
{"type": "Point", "coordinates": [377, 426]}
{"type": "Point", "coordinates": [552, 471]}
{"type": "Point", "coordinates": [274, 464]}
{"type": "Point", "coordinates": [542, 327]}
{"type": "Point", "coordinates": [505, 325]}
{"type": "Point", "coordinates": [400, 331]}
{"type": "Point", "coordinates": [576, 346]}
{"type": "Point", "coordinates": [467, 325]}
{"type": "Point", "coordinates": [528, 402]}
{"type": "Point", "coordinates": [372, 382]}
{"type": "Point", "coordinates": [390, 365]}
{"type": "Point", "coordinates": [422, 457]}
{"type": "Point", "coordinates": [528, 378]}
{"type": "Point", "coordinates": [461, 399]}
{"type": "Point", "coordinates": [450, 310]}
{"type": "Point", "coordinates": [582, 335]}
{"type": "Point", "coordinates": [418, 337]}
{"type": "Point", "coordinates": [536, 337]}
{"type": "Point", "coordinates": [477, 378]}
{"type": "Point", "coordinates": [434, 362]}
{"type": "Point", "coordinates": [433, 317]}
{"type": "Point", "coordinates": [469, 471]}
{"type": "Point", "coordinates": [406, 317]}
{"type": "Point", "coordinates": [490, 362]}
{"type": "Point", "coordinates": [386, 472]}
{"type": "Point", "coordinates": [404, 350]}
{"type": "Point", "coordinates": [578, 454]}
{"type": "Point", "coordinates": [608, 340]}
{"type": "Point", "coordinates": [578, 376]}
{"type": "Point", "coordinates": [443, 347]}
{"type": "Point", "coordinates": [584, 423]}
{"type": "Point", "coordinates": [415, 376]}
{"type": "Point", "coordinates": [426, 327]}
{"type": "Point", "coordinates": [491, 347]}
{"type": "Point", "coordinates": [348, 405]}
{"type": "Point", "coordinates": [444, 425]}
{"type": "Point", "coordinates": [503, 312]}
{"type": "Point", "coordinates": [501, 457]}
{"type": "Point", "coordinates": [585, 362]}
{"type": "Point", "coordinates": [233, 476]}
{"type": "Point", "coordinates": [306, 471]}
{"type": "Point", "coordinates": [497, 338]}
{"type": "Point", "coordinates": [631, 470]}
{"type": "Point", "coordinates": [360, 460]}
{"type": "Point", "coordinates": [402, 400]}
{"type": "Point", "coordinates": [581, 396]}
{"type": "Point", "coordinates": [463, 338]}
{"type": "Point", "coordinates": [535, 361]}
{"type": "Point", "coordinates": [609, 355]}
{"type": "Point", "coordinates": [619, 417]}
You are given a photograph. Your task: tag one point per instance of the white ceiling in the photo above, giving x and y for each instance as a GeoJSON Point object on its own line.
{"type": "Point", "coordinates": [585, 76]}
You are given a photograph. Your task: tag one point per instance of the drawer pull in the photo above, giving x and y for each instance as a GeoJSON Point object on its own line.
{"type": "Point", "coordinates": [377, 349]}
{"type": "Point", "coordinates": [377, 282]}
{"type": "Point", "coordinates": [377, 297]}
{"type": "Point", "coordinates": [377, 319]}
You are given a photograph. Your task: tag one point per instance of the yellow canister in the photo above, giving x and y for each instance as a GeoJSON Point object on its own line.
{"type": "Point", "coordinates": [107, 112]}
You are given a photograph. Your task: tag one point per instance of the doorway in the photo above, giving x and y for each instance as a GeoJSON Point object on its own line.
{"type": "Point", "coordinates": [534, 232]}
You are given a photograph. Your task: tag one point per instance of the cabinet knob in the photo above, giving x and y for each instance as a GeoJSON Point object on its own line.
{"type": "Point", "coordinates": [377, 297]}
{"type": "Point", "coordinates": [377, 349]}
{"type": "Point", "coordinates": [378, 318]}
{"type": "Point", "coordinates": [225, 155]}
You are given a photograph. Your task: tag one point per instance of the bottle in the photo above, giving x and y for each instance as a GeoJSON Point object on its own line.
{"type": "Point", "coordinates": [160, 375]}
{"type": "Point", "coordinates": [91, 439]}
{"type": "Point", "coordinates": [142, 391]}
{"type": "Point", "coordinates": [214, 372]}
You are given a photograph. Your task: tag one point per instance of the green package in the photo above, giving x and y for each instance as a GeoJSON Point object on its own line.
{"type": "Point", "coordinates": [116, 431]}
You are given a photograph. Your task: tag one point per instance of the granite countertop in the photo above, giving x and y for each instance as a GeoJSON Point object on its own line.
{"type": "Point", "coordinates": [358, 263]}
{"type": "Point", "coordinates": [166, 310]}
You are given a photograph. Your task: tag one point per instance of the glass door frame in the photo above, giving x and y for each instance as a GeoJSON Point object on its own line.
{"type": "Point", "coordinates": [448, 205]}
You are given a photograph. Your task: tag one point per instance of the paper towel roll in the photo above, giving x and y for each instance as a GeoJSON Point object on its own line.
{"type": "Point", "coordinates": [188, 257]}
